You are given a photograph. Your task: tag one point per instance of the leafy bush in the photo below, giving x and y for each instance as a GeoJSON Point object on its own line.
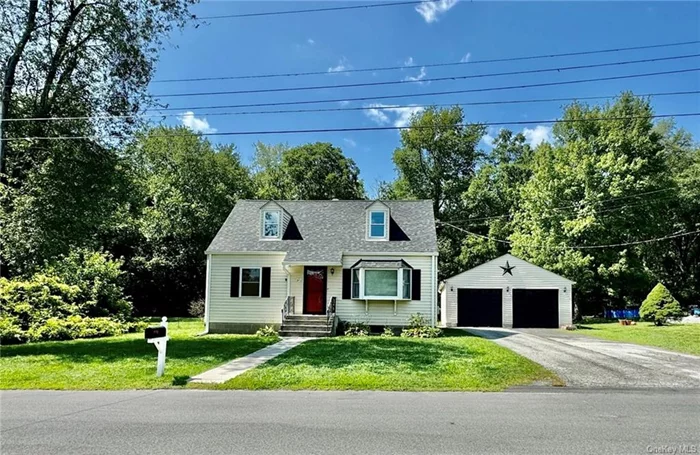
{"type": "Point", "coordinates": [418, 328]}
{"type": "Point", "coordinates": [267, 332]}
{"type": "Point", "coordinates": [387, 332]}
{"type": "Point", "coordinates": [35, 300]}
{"type": "Point", "coordinates": [659, 306]}
{"type": "Point", "coordinates": [11, 331]}
{"type": "Point", "coordinates": [73, 327]}
{"type": "Point", "coordinates": [100, 279]}
{"type": "Point", "coordinates": [196, 308]}
{"type": "Point", "coordinates": [356, 329]}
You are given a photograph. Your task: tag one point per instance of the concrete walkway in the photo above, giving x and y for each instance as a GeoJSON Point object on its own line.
{"type": "Point", "coordinates": [239, 366]}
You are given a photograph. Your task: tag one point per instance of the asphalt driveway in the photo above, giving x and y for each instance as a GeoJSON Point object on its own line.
{"type": "Point", "coordinates": [590, 362]}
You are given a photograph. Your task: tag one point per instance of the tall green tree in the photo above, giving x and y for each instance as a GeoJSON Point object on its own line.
{"type": "Point", "coordinates": [602, 182]}
{"type": "Point", "coordinates": [185, 188]}
{"type": "Point", "coordinates": [310, 171]}
{"type": "Point", "coordinates": [77, 59]}
{"type": "Point", "coordinates": [437, 160]}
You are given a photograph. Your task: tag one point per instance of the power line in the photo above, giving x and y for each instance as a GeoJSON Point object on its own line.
{"type": "Point", "coordinates": [315, 10]}
{"type": "Point", "coordinates": [435, 79]}
{"type": "Point", "coordinates": [428, 65]}
{"type": "Point", "coordinates": [340, 109]}
{"type": "Point", "coordinates": [576, 206]}
{"type": "Point", "coordinates": [376, 128]}
{"type": "Point", "coordinates": [447, 92]}
{"type": "Point", "coordinates": [583, 247]}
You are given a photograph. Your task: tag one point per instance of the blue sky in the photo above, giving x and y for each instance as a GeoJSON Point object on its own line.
{"type": "Point", "coordinates": [397, 35]}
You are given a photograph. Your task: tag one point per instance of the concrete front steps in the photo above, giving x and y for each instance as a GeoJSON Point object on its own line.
{"type": "Point", "coordinates": [306, 325]}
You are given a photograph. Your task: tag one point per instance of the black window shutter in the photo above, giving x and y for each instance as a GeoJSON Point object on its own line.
{"type": "Point", "coordinates": [265, 291]}
{"type": "Point", "coordinates": [415, 285]}
{"type": "Point", "coordinates": [347, 283]}
{"type": "Point", "coordinates": [235, 273]}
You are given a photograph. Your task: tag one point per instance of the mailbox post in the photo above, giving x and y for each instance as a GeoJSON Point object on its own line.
{"type": "Point", "coordinates": [158, 336]}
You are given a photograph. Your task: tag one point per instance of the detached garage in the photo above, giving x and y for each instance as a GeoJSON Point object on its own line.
{"type": "Point", "coordinates": [506, 292]}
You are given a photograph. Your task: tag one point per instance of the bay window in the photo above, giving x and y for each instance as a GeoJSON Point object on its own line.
{"type": "Point", "coordinates": [381, 284]}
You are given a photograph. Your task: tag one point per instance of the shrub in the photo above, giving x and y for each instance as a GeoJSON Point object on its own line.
{"type": "Point", "coordinates": [11, 331]}
{"type": "Point", "coordinates": [55, 329]}
{"type": "Point", "coordinates": [356, 329]}
{"type": "Point", "coordinates": [267, 332]}
{"type": "Point", "coordinates": [387, 332]}
{"type": "Point", "coordinates": [196, 308]}
{"type": "Point", "coordinates": [37, 299]}
{"type": "Point", "coordinates": [418, 328]}
{"type": "Point", "coordinates": [659, 306]}
{"type": "Point", "coordinates": [100, 279]}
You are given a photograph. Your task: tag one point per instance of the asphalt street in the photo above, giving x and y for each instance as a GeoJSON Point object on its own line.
{"type": "Point", "coordinates": [530, 420]}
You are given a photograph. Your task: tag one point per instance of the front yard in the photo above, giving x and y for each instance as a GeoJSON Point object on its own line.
{"type": "Point", "coordinates": [681, 338]}
{"type": "Point", "coordinates": [122, 362]}
{"type": "Point", "coordinates": [456, 361]}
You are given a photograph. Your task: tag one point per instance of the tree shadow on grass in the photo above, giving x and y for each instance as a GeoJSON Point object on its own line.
{"type": "Point", "coordinates": [383, 353]}
{"type": "Point", "coordinates": [220, 349]}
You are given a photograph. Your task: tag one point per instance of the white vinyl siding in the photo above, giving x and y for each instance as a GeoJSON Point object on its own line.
{"type": "Point", "coordinates": [224, 308]}
{"type": "Point", "coordinates": [490, 276]}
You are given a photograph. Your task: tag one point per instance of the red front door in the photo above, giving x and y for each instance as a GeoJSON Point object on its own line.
{"type": "Point", "coordinates": [314, 290]}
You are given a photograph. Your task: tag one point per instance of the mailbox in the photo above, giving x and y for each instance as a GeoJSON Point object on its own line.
{"type": "Point", "coordinates": [156, 332]}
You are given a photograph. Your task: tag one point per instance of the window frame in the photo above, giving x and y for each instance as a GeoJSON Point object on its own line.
{"type": "Point", "coordinates": [240, 282]}
{"type": "Point", "coordinates": [385, 234]}
{"type": "Point", "coordinates": [399, 284]}
{"type": "Point", "coordinates": [279, 225]}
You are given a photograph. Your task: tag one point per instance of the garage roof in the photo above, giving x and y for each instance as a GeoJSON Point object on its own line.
{"type": "Point", "coordinates": [500, 262]}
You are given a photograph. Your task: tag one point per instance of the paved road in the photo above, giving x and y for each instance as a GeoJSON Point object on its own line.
{"type": "Point", "coordinates": [558, 421]}
{"type": "Point", "coordinates": [590, 362]}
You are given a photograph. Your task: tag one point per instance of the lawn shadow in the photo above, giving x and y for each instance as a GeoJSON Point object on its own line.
{"type": "Point", "coordinates": [181, 380]}
{"type": "Point", "coordinates": [416, 355]}
{"type": "Point", "coordinates": [219, 349]}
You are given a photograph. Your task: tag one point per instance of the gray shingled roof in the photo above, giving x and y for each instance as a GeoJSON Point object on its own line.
{"type": "Point", "coordinates": [329, 229]}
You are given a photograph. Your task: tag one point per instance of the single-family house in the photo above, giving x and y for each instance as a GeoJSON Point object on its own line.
{"type": "Point", "coordinates": [303, 265]}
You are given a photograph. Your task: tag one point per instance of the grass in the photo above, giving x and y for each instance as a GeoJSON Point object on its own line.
{"type": "Point", "coordinates": [681, 338]}
{"type": "Point", "coordinates": [122, 362]}
{"type": "Point", "coordinates": [456, 361]}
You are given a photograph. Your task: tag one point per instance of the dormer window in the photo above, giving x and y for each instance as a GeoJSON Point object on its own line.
{"type": "Point", "coordinates": [378, 225]}
{"type": "Point", "coordinates": [271, 224]}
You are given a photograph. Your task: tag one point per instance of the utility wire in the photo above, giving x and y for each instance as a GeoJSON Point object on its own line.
{"type": "Point", "coordinates": [583, 247]}
{"type": "Point", "coordinates": [447, 92]}
{"type": "Point", "coordinates": [314, 10]}
{"type": "Point", "coordinates": [341, 109]}
{"type": "Point", "coordinates": [575, 206]}
{"type": "Point", "coordinates": [428, 65]}
{"type": "Point", "coordinates": [422, 81]}
{"type": "Point", "coordinates": [375, 128]}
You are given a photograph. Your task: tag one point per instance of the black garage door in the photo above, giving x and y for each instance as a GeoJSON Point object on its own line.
{"type": "Point", "coordinates": [535, 308]}
{"type": "Point", "coordinates": [479, 307]}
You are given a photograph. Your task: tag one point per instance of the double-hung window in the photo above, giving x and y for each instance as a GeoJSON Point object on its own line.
{"type": "Point", "coordinates": [271, 224]}
{"type": "Point", "coordinates": [377, 224]}
{"type": "Point", "coordinates": [250, 282]}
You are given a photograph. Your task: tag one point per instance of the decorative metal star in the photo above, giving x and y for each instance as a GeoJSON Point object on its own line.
{"type": "Point", "coordinates": [507, 269]}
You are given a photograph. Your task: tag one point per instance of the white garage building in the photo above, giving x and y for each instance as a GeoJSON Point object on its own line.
{"type": "Point", "coordinates": [506, 292]}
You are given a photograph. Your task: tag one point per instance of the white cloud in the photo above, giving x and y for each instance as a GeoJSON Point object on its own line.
{"type": "Point", "coordinates": [490, 137]}
{"type": "Point", "coordinates": [344, 103]}
{"type": "Point", "coordinates": [538, 135]}
{"type": "Point", "coordinates": [198, 125]}
{"type": "Point", "coordinates": [310, 41]}
{"type": "Point", "coordinates": [342, 65]}
{"type": "Point", "coordinates": [408, 62]}
{"type": "Point", "coordinates": [466, 58]}
{"type": "Point", "coordinates": [350, 142]}
{"type": "Point", "coordinates": [431, 10]}
{"type": "Point", "coordinates": [383, 114]}
{"type": "Point", "coordinates": [418, 77]}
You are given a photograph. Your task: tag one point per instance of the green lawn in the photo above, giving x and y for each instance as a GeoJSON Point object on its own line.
{"type": "Point", "coordinates": [123, 362]}
{"type": "Point", "coordinates": [456, 361]}
{"type": "Point", "coordinates": [682, 338]}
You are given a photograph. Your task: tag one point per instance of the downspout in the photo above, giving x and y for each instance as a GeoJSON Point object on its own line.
{"type": "Point", "coordinates": [207, 295]}
{"type": "Point", "coordinates": [289, 281]}
{"type": "Point", "coordinates": [434, 293]}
